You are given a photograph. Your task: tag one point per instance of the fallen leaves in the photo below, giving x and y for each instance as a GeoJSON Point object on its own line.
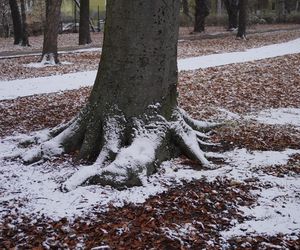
{"type": "Point", "coordinates": [241, 88]}
{"type": "Point", "coordinates": [254, 136]}
{"type": "Point", "coordinates": [186, 217]}
{"type": "Point", "coordinates": [197, 210]}
{"type": "Point", "coordinates": [40, 111]}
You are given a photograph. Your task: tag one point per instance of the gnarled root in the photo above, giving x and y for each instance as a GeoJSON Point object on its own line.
{"type": "Point", "coordinates": [131, 148]}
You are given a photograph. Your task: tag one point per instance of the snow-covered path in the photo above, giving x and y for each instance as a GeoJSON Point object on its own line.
{"type": "Point", "coordinates": [40, 85]}
{"type": "Point", "coordinates": [274, 50]}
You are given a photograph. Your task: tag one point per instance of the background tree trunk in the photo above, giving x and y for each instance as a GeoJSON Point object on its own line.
{"type": "Point", "coordinates": [17, 24]}
{"type": "Point", "coordinates": [243, 9]}
{"type": "Point", "coordinates": [281, 10]}
{"type": "Point", "coordinates": [84, 23]}
{"type": "Point", "coordinates": [25, 41]}
{"type": "Point", "coordinates": [186, 8]}
{"type": "Point", "coordinates": [201, 12]}
{"type": "Point", "coordinates": [5, 18]}
{"type": "Point", "coordinates": [50, 54]}
{"type": "Point", "coordinates": [232, 11]}
{"type": "Point", "coordinates": [219, 7]}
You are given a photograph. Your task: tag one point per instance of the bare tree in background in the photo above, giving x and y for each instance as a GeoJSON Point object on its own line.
{"type": "Point", "coordinates": [281, 10]}
{"type": "Point", "coordinates": [17, 22]}
{"type": "Point", "coordinates": [50, 55]}
{"type": "Point", "coordinates": [232, 11]}
{"type": "Point", "coordinates": [186, 9]}
{"type": "Point", "coordinates": [201, 12]}
{"type": "Point", "coordinates": [4, 15]}
{"type": "Point", "coordinates": [84, 23]}
{"type": "Point", "coordinates": [243, 14]}
{"type": "Point", "coordinates": [25, 40]}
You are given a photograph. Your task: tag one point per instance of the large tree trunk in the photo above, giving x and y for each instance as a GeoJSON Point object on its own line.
{"type": "Point", "coordinates": [201, 12]}
{"type": "Point", "coordinates": [232, 10]}
{"type": "Point", "coordinates": [17, 23]}
{"type": "Point", "coordinates": [243, 7]}
{"type": "Point", "coordinates": [25, 41]}
{"type": "Point", "coordinates": [131, 122]}
{"type": "Point", "coordinates": [50, 55]}
{"type": "Point", "coordinates": [84, 23]}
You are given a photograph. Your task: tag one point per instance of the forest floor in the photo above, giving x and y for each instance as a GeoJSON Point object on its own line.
{"type": "Point", "coordinates": [70, 40]}
{"type": "Point", "coordinates": [252, 201]}
{"type": "Point", "coordinates": [27, 67]}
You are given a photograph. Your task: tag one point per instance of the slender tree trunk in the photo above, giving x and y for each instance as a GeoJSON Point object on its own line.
{"type": "Point", "coordinates": [50, 55]}
{"type": "Point", "coordinates": [25, 40]}
{"type": "Point", "coordinates": [243, 6]}
{"type": "Point", "coordinates": [281, 10]}
{"type": "Point", "coordinates": [219, 7]}
{"type": "Point", "coordinates": [17, 23]}
{"type": "Point", "coordinates": [232, 10]}
{"type": "Point", "coordinates": [201, 12]}
{"type": "Point", "coordinates": [186, 9]}
{"type": "Point", "coordinates": [4, 18]}
{"type": "Point", "coordinates": [84, 23]}
{"type": "Point", "coordinates": [288, 6]}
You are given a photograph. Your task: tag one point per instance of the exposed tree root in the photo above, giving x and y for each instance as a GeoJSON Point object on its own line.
{"type": "Point", "coordinates": [127, 149]}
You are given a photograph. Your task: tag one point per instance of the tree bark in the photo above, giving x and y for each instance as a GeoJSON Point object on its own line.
{"type": "Point", "coordinates": [50, 55]}
{"type": "Point", "coordinates": [25, 40]}
{"type": "Point", "coordinates": [219, 7]}
{"type": "Point", "coordinates": [186, 9]}
{"type": "Point", "coordinates": [84, 23]}
{"type": "Point", "coordinates": [243, 6]}
{"type": "Point", "coordinates": [281, 10]}
{"type": "Point", "coordinates": [131, 121]}
{"type": "Point", "coordinates": [232, 10]}
{"type": "Point", "coordinates": [5, 20]}
{"type": "Point", "coordinates": [17, 23]}
{"type": "Point", "coordinates": [201, 12]}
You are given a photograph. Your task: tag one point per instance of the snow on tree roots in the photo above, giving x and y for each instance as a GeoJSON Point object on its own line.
{"type": "Point", "coordinates": [124, 157]}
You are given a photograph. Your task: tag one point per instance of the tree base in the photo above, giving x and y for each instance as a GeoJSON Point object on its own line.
{"type": "Point", "coordinates": [129, 149]}
{"type": "Point", "coordinates": [49, 59]}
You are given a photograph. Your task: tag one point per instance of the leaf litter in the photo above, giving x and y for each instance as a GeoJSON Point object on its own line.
{"type": "Point", "coordinates": [189, 208]}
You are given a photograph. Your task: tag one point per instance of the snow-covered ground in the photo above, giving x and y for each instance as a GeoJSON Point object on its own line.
{"type": "Point", "coordinates": [59, 52]}
{"type": "Point", "coordinates": [35, 189]}
{"type": "Point", "coordinates": [270, 51]}
{"type": "Point", "coordinates": [40, 85]}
